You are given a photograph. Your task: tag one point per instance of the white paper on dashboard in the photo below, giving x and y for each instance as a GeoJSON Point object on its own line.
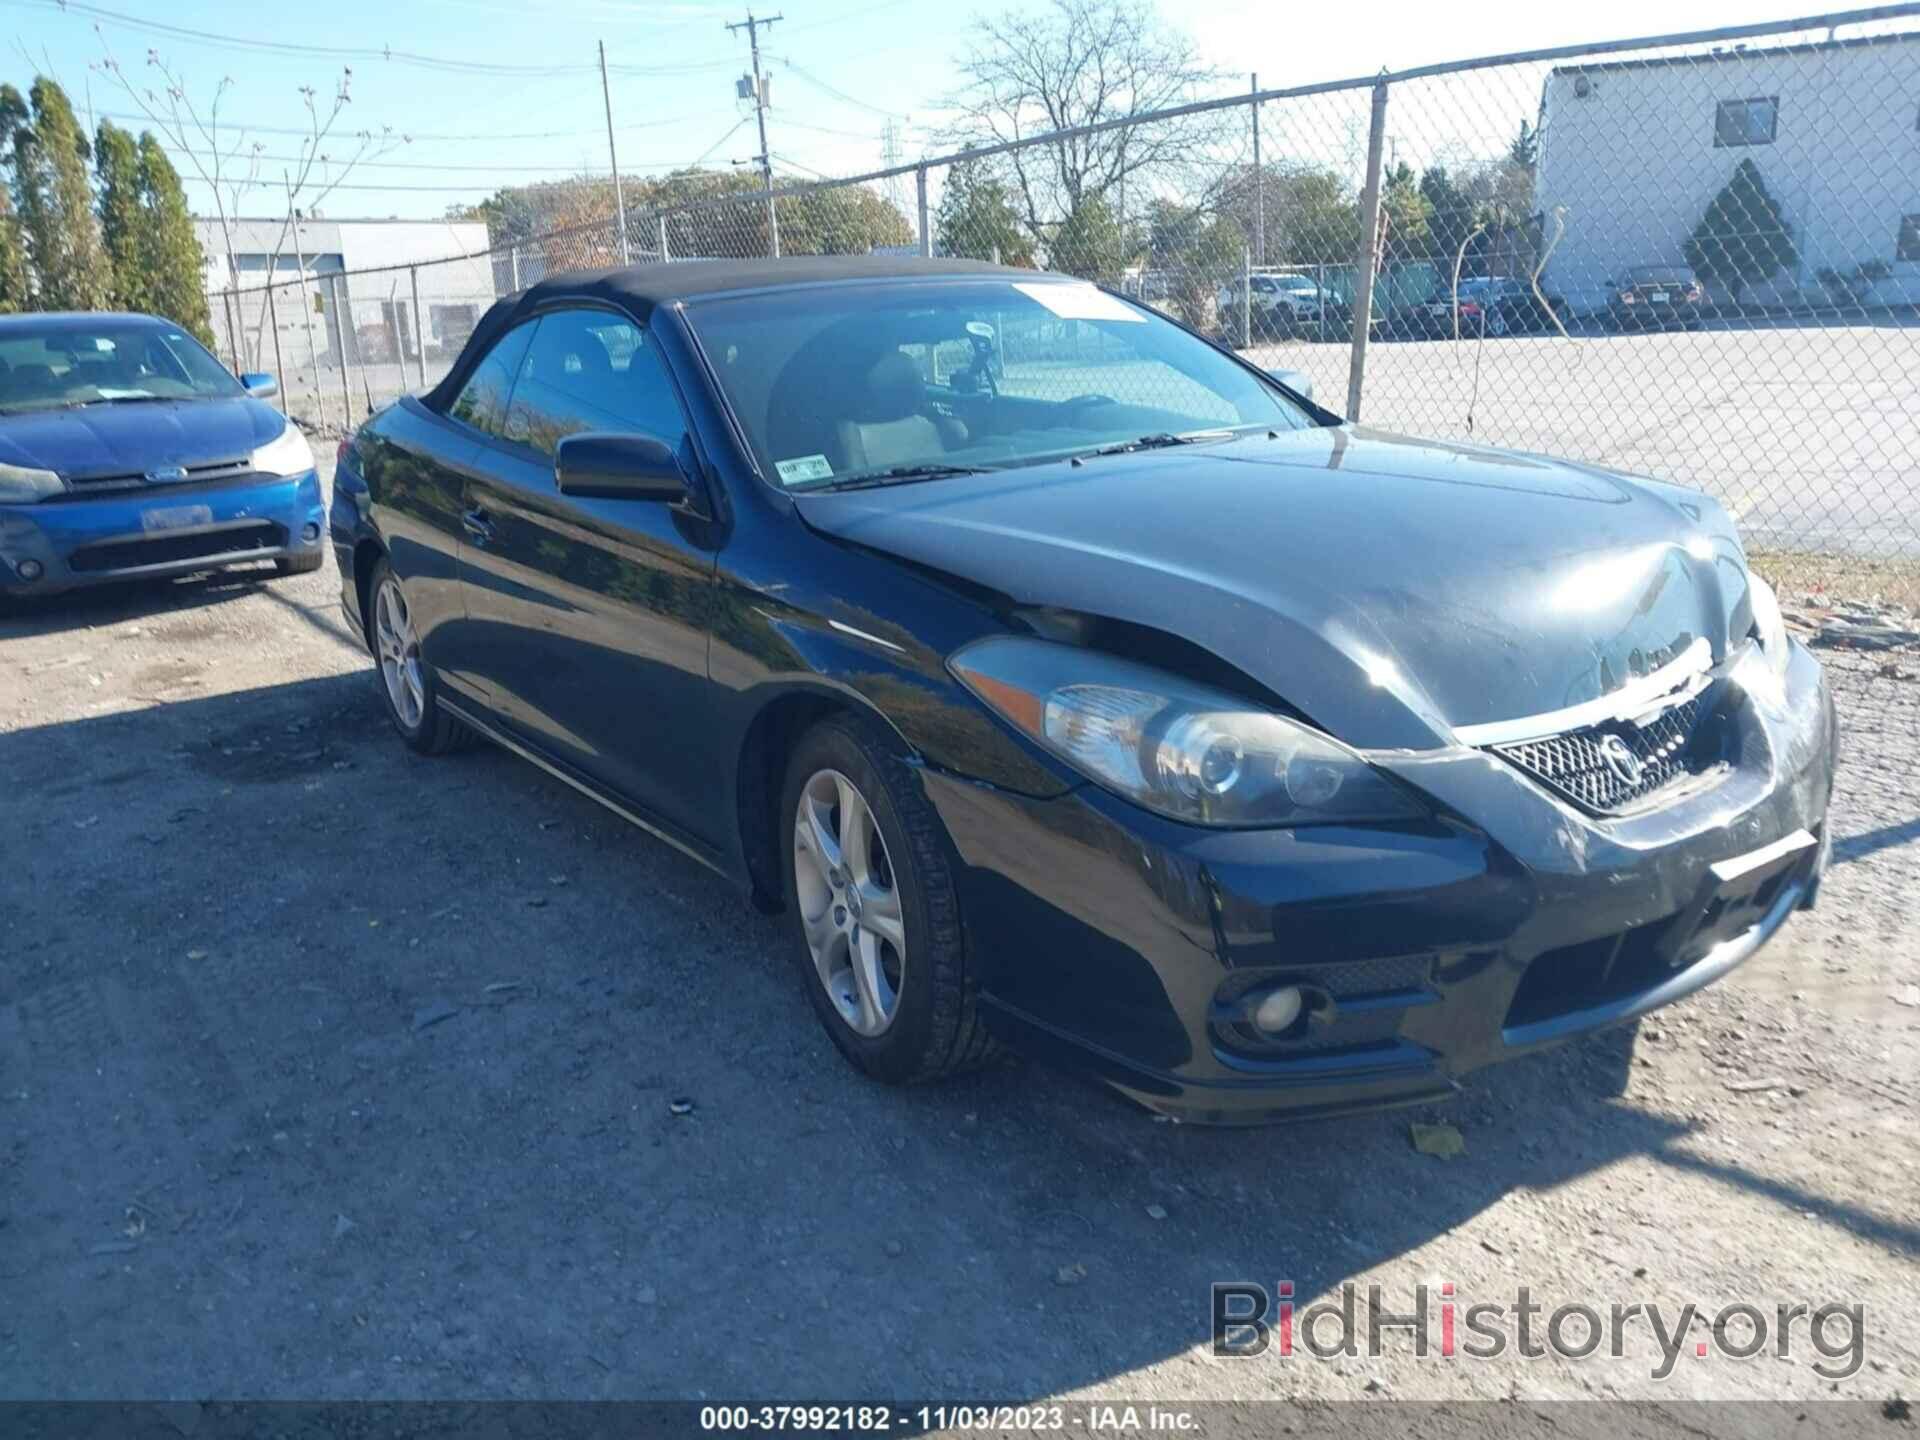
{"type": "Point", "coordinates": [1080, 302]}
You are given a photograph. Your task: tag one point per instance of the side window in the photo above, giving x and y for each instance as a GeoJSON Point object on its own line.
{"type": "Point", "coordinates": [483, 399]}
{"type": "Point", "coordinates": [589, 370]}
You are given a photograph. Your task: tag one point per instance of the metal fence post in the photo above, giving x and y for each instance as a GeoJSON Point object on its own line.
{"type": "Point", "coordinates": [1246, 298]}
{"type": "Point", "coordinates": [233, 331]}
{"type": "Point", "coordinates": [926, 234]}
{"type": "Point", "coordinates": [660, 221]}
{"type": "Point", "coordinates": [1369, 251]}
{"type": "Point", "coordinates": [342, 321]}
{"type": "Point", "coordinates": [1259, 183]}
{"type": "Point", "coordinates": [279, 367]}
{"type": "Point", "coordinates": [419, 326]}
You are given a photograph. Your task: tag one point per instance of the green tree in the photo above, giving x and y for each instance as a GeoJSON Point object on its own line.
{"type": "Point", "coordinates": [1406, 209]}
{"type": "Point", "coordinates": [1743, 239]}
{"type": "Point", "coordinates": [16, 270]}
{"type": "Point", "coordinates": [977, 221]}
{"type": "Point", "coordinates": [171, 261]}
{"type": "Point", "coordinates": [116, 163]}
{"type": "Point", "coordinates": [1199, 254]}
{"type": "Point", "coordinates": [1525, 150]}
{"type": "Point", "coordinates": [16, 278]}
{"type": "Point", "coordinates": [54, 194]}
{"type": "Point", "coordinates": [1090, 243]}
{"type": "Point", "coordinates": [839, 220]}
{"type": "Point", "coordinates": [1450, 214]}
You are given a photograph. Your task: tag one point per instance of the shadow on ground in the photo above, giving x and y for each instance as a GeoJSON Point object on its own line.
{"type": "Point", "coordinates": [329, 1071]}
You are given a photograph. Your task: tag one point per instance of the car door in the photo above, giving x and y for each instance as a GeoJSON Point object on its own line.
{"type": "Point", "coordinates": [418, 464]}
{"type": "Point", "coordinates": [595, 611]}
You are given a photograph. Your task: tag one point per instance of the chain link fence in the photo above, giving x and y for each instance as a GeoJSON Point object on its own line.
{"type": "Point", "coordinates": [1696, 257]}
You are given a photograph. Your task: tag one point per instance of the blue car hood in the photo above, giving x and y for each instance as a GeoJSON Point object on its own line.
{"type": "Point", "coordinates": [1390, 589]}
{"type": "Point", "coordinates": [100, 440]}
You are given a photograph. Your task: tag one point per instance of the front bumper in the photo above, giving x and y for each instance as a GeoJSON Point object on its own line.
{"type": "Point", "coordinates": [1127, 944]}
{"type": "Point", "coordinates": [158, 531]}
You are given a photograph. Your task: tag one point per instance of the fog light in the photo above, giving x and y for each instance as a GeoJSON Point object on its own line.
{"type": "Point", "coordinates": [1277, 1009]}
{"type": "Point", "coordinates": [30, 569]}
{"type": "Point", "coordinates": [309, 532]}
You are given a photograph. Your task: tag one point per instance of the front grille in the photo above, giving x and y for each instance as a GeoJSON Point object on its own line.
{"type": "Point", "coordinates": [81, 486]}
{"type": "Point", "coordinates": [208, 545]}
{"type": "Point", "coordinates": [1576, 764]}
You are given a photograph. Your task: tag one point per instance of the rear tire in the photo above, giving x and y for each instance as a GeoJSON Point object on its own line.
{"type": "Point", "coordinates": [300, 564]}
{"type": "Point", "coordinates": [873, 908]}
{"type": "Point", "coordinates": [406, 681]}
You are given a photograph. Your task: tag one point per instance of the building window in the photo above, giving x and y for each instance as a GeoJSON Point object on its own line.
{"type": "Point", "coordinates": [1908, 245]}
{"type": "Point", "coordinates": [1745, 122]}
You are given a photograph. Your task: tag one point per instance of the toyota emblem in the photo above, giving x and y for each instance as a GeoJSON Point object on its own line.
{"type": "Point", "coordinates": [1621, 760]}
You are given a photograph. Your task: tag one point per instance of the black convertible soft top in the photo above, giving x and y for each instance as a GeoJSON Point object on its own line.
{"type": "Point", "coordinates": [638, 288]}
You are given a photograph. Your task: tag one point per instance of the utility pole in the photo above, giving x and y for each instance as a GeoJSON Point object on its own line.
{"type": "Point", "coordinates": [752, 26]}
{"type": "Point", "coordinates": [619, 191]}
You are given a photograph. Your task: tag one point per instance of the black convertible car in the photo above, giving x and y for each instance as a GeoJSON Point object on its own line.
{"type": "Point", "coordinates": [1071, 683]}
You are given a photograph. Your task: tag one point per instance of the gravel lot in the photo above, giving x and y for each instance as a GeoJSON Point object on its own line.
{"type": "Point", "coordinates": [331, 1072]}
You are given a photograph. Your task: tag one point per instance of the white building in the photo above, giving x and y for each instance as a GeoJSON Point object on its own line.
{"type": "Point", "coordinates": [1634, 153]}
{"type": "Point", "coordinates": [400, 281]}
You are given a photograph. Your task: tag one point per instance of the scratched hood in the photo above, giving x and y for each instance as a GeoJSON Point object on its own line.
{"type": "Point", "coordinates": [1389, 588]}
{"type": "Point", "coordinates": [98, 440]}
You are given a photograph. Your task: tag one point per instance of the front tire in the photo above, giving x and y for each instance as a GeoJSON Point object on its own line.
{"type": "Point", "coordinates": [875, 914]}
{"type": "Point", "coordinates": [407, 683]}
{"type": "Point", "coordinates": [299, 564]}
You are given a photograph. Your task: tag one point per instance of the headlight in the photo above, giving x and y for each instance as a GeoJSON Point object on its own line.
{"type": "Point", "coordinates": [1175, 747]}
{"type": "Point", "coordinates": [22, 486]}
{"type": "Point", "coordinates": [1768, 626]}
{"type": "Point", "coordinates": [286, 454]}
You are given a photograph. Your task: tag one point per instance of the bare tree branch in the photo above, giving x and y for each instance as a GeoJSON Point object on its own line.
{"type": "Point", "coordinates": [1077, 63]}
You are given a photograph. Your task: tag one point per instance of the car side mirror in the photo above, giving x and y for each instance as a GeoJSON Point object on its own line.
{"type": "Point", "coordinates": [619, 467]}
{"type": "Point", "coordinates": [259, 384]}
{"type": "Point", "coordinates": [1298, 381]}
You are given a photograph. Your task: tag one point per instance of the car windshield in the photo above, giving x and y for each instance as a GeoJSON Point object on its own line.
{"type": "Point", "coordinates": [916, 379]}
{"type": "Point", "coordinates": [1295, 284]}
{"type": "Point", "coordinates": [63, 364]}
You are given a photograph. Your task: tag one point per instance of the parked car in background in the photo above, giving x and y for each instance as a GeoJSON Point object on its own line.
{"type": "Point", "coordinates": [1489, 305]}
{"type": "Point", "coordinates": [1280, 303]}
{"type": "Point", "coordinates": [1656, 297]}
{"type": "Point", "coordinates": [1123, 706]}
{"type": "Point", "coordinates": [129, 452]}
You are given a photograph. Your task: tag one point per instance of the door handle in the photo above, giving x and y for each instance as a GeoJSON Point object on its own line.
{"type": "Point", "coordinates": [478, 525]}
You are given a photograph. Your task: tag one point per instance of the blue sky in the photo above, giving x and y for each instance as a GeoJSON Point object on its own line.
{"type": "Point", "coordinates": [843, 69]}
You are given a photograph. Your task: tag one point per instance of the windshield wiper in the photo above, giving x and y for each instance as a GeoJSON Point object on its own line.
{"type": "Point", "coordinates": [120, 400]}
{"type": "Point", "coordinates": [894, 475]}
{"type": "Point", "coordinates": [1158, 441]}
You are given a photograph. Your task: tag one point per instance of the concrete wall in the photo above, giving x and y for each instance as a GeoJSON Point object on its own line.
{"type": "Point", "coordinates": [1633, 161]}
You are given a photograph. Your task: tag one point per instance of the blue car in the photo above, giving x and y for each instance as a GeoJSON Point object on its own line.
{"type": "Point", "coordinates": [128, 452]}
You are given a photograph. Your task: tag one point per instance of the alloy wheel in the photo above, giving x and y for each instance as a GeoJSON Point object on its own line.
{"type": "Point", "coordinates": [398, 649]}
{"type": "Point", "coordinates": [850, 909]}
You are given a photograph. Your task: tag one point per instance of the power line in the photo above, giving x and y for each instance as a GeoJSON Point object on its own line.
{"type": "Point", "coordinates": [348, 159]}
{"type": "Point", "coordinates": [384, 54]}
{"type": "Point", "coordinates": [819, 84]}
{"type": "Point", "coordinates": [240, 128]}
{"type": "Point", "coordinates": [707, 154]}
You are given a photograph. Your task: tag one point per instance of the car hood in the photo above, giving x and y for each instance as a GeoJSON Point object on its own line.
{"type": "Point", "coordinates": [99, 440]}
{"type": "Point", "coordinates": [1390, 589]}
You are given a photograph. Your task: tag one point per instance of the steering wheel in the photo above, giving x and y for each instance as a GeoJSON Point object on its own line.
{"type": "Point", "coordinates": [1090, 398]}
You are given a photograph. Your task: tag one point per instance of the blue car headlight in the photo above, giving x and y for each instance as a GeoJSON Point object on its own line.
{"type": "Point", "coordinates": [21, 485]}
{"type": "Point", "coordinates": [1179, 748]}
{"type": "Point", "coordinates": [286, 454]}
